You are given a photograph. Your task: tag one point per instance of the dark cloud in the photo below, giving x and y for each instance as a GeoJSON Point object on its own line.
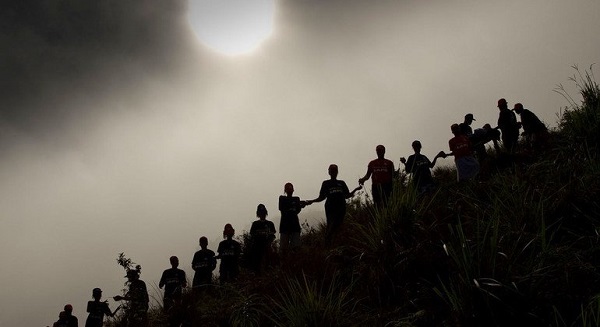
{"type": "Point", "coordinates": [59, 50]}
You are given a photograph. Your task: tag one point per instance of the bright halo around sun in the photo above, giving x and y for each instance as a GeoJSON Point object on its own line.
{"type": "Point", "coordinates": [232, 27]}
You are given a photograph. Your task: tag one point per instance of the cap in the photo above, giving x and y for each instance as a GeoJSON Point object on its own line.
{"type": "Point", "coordinates": [469, 116]}
{"type": "Point", "coordinates": [96, 291]}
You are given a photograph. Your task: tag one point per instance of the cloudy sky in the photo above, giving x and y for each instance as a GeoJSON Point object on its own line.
{"type": "Point", "coordinates": [139, 126]}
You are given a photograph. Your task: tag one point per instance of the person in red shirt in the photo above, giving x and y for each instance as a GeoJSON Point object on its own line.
{"type": "Point", "coordinates": [381, 171]}
{"type": "Point", "coordinates": [467, 166]}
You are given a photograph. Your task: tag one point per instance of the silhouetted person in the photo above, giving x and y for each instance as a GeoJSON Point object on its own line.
{"type": "Point", "coordinates": [289, 225]}
{"type": "Point", "coordinates": [262, 234]}
{"type": "Point", "coordinates": [508, 125]}
{"type": "Point", "coordinates": [482, 136]}
{"type": "Point", "coordinates": [73, 322]}
{"type": "Point", "coordinates": [174, 281]}
{"type": "Point", "coordinates": [97, 310]}
{"type": "Point", "coordinates": [534, 130]}
{"type": "Point", "coordinates": [62, 321]}
{"type": "Point", "coordinates": [467, 166]}
{"type": "Point", "coordinates": [420, 167]}
{"type": "Point", "coordinates": [203, 263]}
{"type": "Point", "coordinates": [336, 192]}
{"type": "Point", "coordinates": [229, 252]}
{"type": "Point", "coordinates": [381, 171]}
{"type": "Point", "coordinates": [137, 296]}
{"type": "Point", "coordinates": [465, 126]}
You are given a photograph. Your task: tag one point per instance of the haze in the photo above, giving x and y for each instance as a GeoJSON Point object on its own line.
{"type": "Point", "coordinates": [120, 131]}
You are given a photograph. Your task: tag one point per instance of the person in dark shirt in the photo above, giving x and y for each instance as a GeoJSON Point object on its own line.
{"type": "Point", "coordinates": [63, 320]}
{"type": "Point", "coordinates": [174, 281]}
{"type": "Point", "coordinates": [262, 234]}
{"type": "Point", "coordinates": [465, 126]}
{"type": "Point", "coordinates": [381, 171]}
{"type": "Point", "coordinates": [420, 167]}
{"type": "Point", "coordinates": [137, 296]}
{"type": "Point", "coordinates": [336, 192]}
{"type": "Point", "coordinates": [203, 263]}
{"type": "Point", "coordinates": [72, 320]}
{"type": "Point", "coordinates": [534, 130]}
{"type": "Point", "coordinates": [508, 125]}
{"type": "Point", "coordinates": [97, 310]}
{"type": "Point", "coordinates": [289, 225]}
{"type": "Point", "coordinates": [229, 252]}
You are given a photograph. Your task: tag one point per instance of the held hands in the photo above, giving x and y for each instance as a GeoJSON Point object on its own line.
{"type": "Point", "coordinates": [403, 160]}
{"type": "Point", "coordinates": [117, 298]}
{"type": "Point", "coordinates": [442, 154]}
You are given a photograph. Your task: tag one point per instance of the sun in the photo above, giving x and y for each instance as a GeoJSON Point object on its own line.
{"type": "Point", "coordinates": [231, 27]}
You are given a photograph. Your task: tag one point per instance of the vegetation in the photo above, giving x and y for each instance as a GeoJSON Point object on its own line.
{"type": "Point", "coordinates": [520, 247]}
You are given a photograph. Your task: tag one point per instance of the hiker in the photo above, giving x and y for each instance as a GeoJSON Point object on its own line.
{"type": "Point", "coordinates": [534, 130]}
{"type": "Point", "coordinates": [262, 234]}
{"type": "Point", "coordinates": [508, 125]}
{"type": "Point", "coordinates": [479, 139]}
{"type": "Point", "coordinates": [289, 225]}
{"type": "Point", "coordinates": [465, 126]}
{"type": "Point", "coordinates": [229, 251]}
{"type": "Point", "coordinates": [62, 321]}
{"type": "Point", "coordinates": [174, 281]}
{"type": "Point", "coordinates": [420, 167]}
{"type": "Point", "coordinates": [203, 263]}
{"type": "Point", "coordinates": [97, 310]}
{"type": "Point", "coordinates": [381, 171]}
{"type": "Point", "coordinates": [72, 320]}
{"type": "Point", "coordinates": [137, 296]}
{"type": "Point", "coordinates": [467, 166]}
{"type": "Point", "coordinates": [336, 192]}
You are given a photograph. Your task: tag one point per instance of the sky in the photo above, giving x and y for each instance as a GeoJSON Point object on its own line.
{"type": "Point", "coordinates": [138, 127]}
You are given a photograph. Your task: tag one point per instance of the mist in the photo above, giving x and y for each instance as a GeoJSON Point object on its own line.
{"type": "Point", "coordinates": [120, 131]}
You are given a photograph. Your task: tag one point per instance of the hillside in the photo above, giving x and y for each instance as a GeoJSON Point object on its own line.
{"type": "Point", "coordinates": [519, 246]}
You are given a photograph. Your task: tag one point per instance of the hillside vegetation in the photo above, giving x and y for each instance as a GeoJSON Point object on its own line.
{"type": "Point", "coordinates": [518, 247]}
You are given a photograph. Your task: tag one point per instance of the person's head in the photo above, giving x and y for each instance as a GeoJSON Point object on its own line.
{"type": "Point", "coordinates": [132, 274]}
{"type": "Point", "coordinates": [261, 211]}
{"type": "Point", "coordinates": [97, 293]}
{"type": "Point", "coordinates": [502, 104]}
{"type": "Point", "coordinates": [455, 128]}
{"type": "Point", "coordinates": [68, 309]}
{"type": "Point", "coordinates": [62, 315]}
{"type": "Point", "coordinates": [228, 231]}
{"type": "Point", "coordinates": [416, 145]}
{"type": "Point", "coordinates": [518, 108]}
{"type": "Point", "coordinates": [174, 261]}
{"type": "Point", "coordinates": [469, 119]}
{"type": "Point", "coordinates": [288, 189]}
{"type": "Point", "coordinates": [203, 242]}
{"type": "Point", "coordinates": [380, 150]}
{"type": "Point", "coordinates": [333, 171]}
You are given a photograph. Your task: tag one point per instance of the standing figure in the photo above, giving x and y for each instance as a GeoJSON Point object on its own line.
{"type": "Point", "coordinates": [534, 130]}
{"type": "Point", "coordinates": [467, 166]}
{"type": "Point", "coordinates": [262, 234]}
{"type": "Point", "coordinates": [97, 310]}
{"type": "Point", "coordinates": [203, 263]}
{"type": "Point", "coordinates": [465, 126]}
{"type": "Point", "coordinates": [229, 252]}
{"type": "Point", "coordinates": [174, 281]}
{"type": "Point", "coordinates": [72, 320]}
{"type": "Point", "coordinates": [336, 192]}
{"type": "Point", "coordinates": [420, 167]}
{"type": "Point", "coordinates": [289, 225]}
{"type": "Point", "coordinates": [137, 296]}
{"type": "Point", "coordinates": [381, 171]}
{"type": "Point", "coordinates": [508, 125]}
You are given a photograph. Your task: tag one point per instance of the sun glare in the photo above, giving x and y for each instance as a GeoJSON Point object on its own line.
{"type": "Point", "coordinates": [231, 27]}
